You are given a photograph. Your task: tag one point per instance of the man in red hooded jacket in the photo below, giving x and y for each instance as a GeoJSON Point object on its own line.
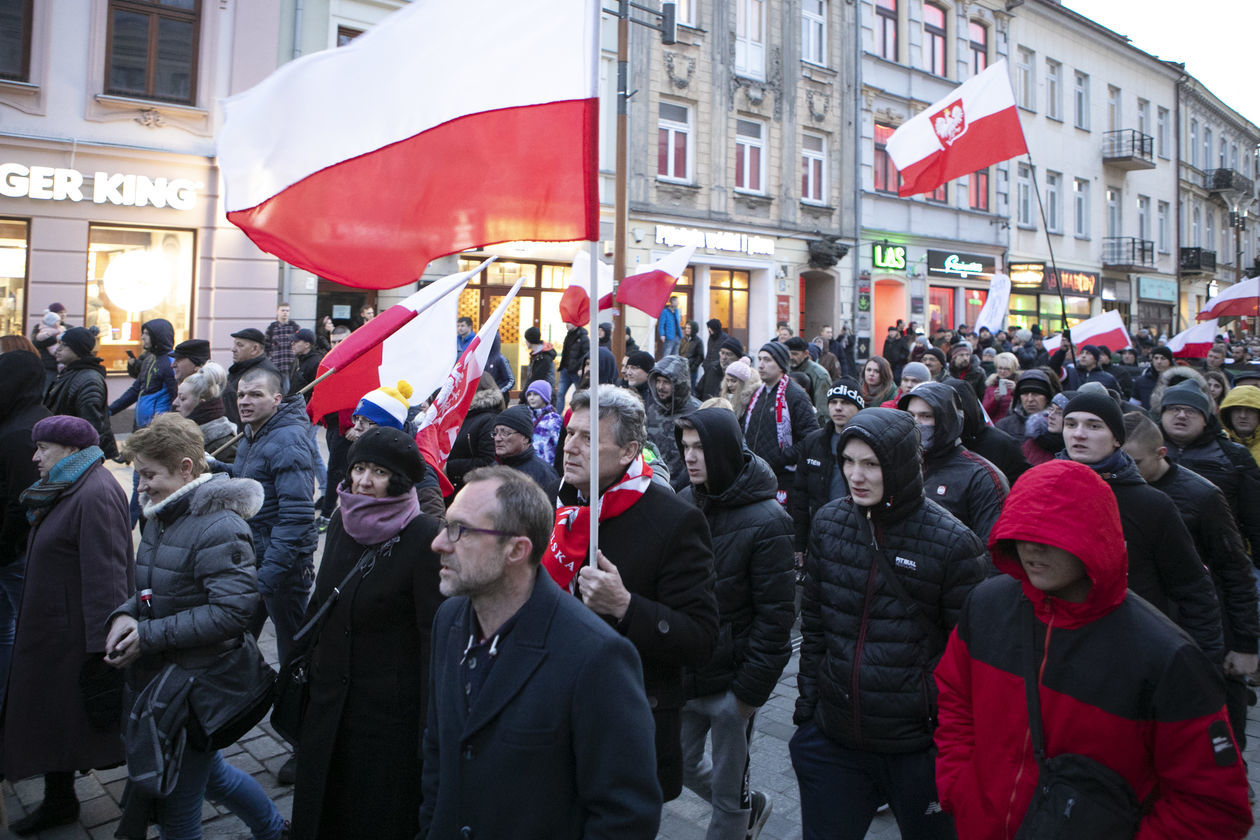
{"type": "Point", "coordinates": [1118, 682]}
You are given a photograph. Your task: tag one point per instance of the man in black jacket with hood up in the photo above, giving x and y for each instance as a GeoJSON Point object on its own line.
{"type": "Point", "coordinates": [962, 482]}
{"type": "Point", "coordinates": [989, 442]}
{"type": "Point", "coordinates": [752, 549]}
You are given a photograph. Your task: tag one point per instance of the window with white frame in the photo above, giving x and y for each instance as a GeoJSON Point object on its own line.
{"type": "Point", "coordinates": [1115, 220]}
{"type": "Point", "coordinates": [685, 12]}
{"type": "Point", "coordinates": [886, 177]}
{"type": "Point", "coordinates": [1114, 115]}
{"type": "Point", "coordinates": [1161, 227]}
{"type": "Point", "coordinates": [750, 38]}
{"type": "Point", "coordinates": [1209, 230]}
{"type": "Point", "coordinates": [1080, 202]}
{"type": "Point", "coordinates": [1233, 156]}
{"type": "Point", "coordinates": [1144, 217]}
{"type": "Point", "coordinates": [1207, 147]}
{"type": "Point", "coordinates": [1023, 196]}
{"type": "Point", "coordinates": [814, 169]}
{"type": "Point", "coordinates": [979, 46]}
{"type": "Point", "coordinates": [673, 153]}
{"type": "Point", "coordinates": [978, 190]}
{"type": "Point", "coordinates": [1143, 117]}
{"type": "Point", "coordinates": [750, 156]}
{"type": "Point", "coordinates": [1025, 80]}
{"type": "Point", "coordinates": [934, 39]}
{"type": "Point", "coordinates": [1161, 132]}
{"type": "Point", "coordinates": [1226, 250]}
{"type": "Point", "coordinates": [1194, 142]}
{"type": "Point", "coordinates": [814, 31]}
{"type": "Point", "coordinates": [1224, 157]}
{"type": "Point", "coordinates": [1080, 101]}
{"type": "Point", "coordinates": [1054, 89]}
{"type": "Point", "coordinates": [1054, 202]}
{"type": "Point", "coordinates": [886, 29]}
{"type": "Point", "coordinates": [1196, 227]}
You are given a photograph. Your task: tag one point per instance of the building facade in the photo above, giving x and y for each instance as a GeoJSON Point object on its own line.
{"type": "Point", "coordinates": [109, 189]}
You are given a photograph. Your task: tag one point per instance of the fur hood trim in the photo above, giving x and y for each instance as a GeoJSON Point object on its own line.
{"type": "Point", "coordinates": [1175, 376]}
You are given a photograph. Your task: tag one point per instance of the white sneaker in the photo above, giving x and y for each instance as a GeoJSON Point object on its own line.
{"type": "Point", "coordinates": [761, 808]}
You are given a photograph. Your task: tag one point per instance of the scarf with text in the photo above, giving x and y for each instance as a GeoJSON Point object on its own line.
{"type": "Point", "coordinates": [571, 537]}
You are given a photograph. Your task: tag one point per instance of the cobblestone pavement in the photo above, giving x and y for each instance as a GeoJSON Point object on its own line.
{"type": "Point", "coordinates": [261, 753]}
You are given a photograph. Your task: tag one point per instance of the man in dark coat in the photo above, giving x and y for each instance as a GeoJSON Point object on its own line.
{"type": "Point", "coordinates": [279, 338]}
{"type": "Point", "coordinates": [514, 447]}
{"type": "Point", "coordinates": [960, 481]}
{"type": "Point", "coordinates": [1207, 517]}
{"type": "Point", "coordinates": [154, 388]}
{"type": "Point", "coordinates": [1033, 391]}
{"type": "Point", "coordinates": [573, 353]}
{"type": "Point", "coordinates": [81, 569]}
{"type": "Point", "coordinates": [964, 365]}
{"type": "Point", "coordinates": [542, 360]}
{"type": "Point", "coordinates": [896, 351]}
{"type": "Point", "coordinates": [865, 707]}
{"type": "Point", "coordinates": [711, 378]}
{"type": "Point", "coordinates": [306, 359]}
{"type": "Point", "coordinates": [752, 547]}
{"type": "Point", "coordinates": [654, 581]}
{"type": "Point", "coordinates": [1144, 384]}
{"type": "Point", "coordinates": [989, 442]}
{"type": "Point", "coordinates": [818, 479]}
{"type": "Point", "coordinates": [1085, 369]}
{"type": "Point", "coordinates": [1196, 441]}
{"type": "Point", "coordinates": [79, 390]}
{"type": "Point", "coordinates": [636, 372]}
{"type": "Point", "coordinates": [669, 397]}
{"type": "Point", "coordinates": [23, 375]}
{"type": "Point", "coordinates": [537, 721]}
{"type": "Point", "coordinates": [276, 451]}
{"type": "Point", "coordinates": [247, 355]}
{"type": "Point", "coordinates": [1164, 567]}
{"type": "Point", "coordinates": [780, 415]}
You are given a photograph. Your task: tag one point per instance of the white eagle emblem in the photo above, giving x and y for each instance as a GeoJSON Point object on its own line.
{"type": "Point", "coordinates": [950, 122]}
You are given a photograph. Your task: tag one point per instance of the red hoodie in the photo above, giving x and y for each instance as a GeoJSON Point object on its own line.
{"type": "Point", "coordinates": [1119, 682]}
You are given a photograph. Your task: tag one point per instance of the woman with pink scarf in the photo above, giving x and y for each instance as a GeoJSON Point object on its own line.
{"type": "Point", "coordinates": [358, 763]}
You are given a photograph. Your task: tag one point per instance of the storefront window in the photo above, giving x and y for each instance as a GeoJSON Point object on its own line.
{"type": "Point", "coordinates": [728, 301]}
{"type": "Point", "coordinates": [940, 309]}
{"type": "Point", "coordinates": [13, 239]}
{"type": "Point", "coordinates": [133, 276]}
{"type": "Point", "coordinates": [1051, 312]}
{"type": "Point", "coordinates": [973, 302]}
{"type": "Point", "coordinates": [1023, 312]}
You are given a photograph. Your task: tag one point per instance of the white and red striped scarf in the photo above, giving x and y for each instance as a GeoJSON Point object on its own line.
{"type": "Point", "coordinates": [571, 537]}
{"type": "Point", "coordinates": [782, 418]}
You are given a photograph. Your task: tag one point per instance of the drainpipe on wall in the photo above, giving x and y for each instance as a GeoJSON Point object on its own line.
{"type": "Point", "coordinates": [855, 262]}
{"type": "Point", "coordinates": [1177, 193]}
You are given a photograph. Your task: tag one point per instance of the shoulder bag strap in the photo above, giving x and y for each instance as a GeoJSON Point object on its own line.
{"type": "Point", "coordinates": [1029, 650]}
{"type": "Point", "coordinates": [318, 619]}
{"type": "Point", "coordinates": [912, 606]}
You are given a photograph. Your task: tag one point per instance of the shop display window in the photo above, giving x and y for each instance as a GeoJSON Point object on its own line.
{"type": "Point", "coordinates": [14, 235]}
{"type": "Point", "coordinates": [133, 276]}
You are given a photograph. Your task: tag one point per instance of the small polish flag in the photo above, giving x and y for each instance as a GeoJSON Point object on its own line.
{"type": "Point", "coordinates": [975, 126]}
{"type": "Point", "coordinates": [575, 303]}
{"type": "Point", "coordinates": [1241, 300]}
{"type": "Point", "coordinates": [1195, 342]}
{"type": "Point", "coordinates": [365, 162]}
{"type": "Point", "coordinates": [648, 290]}
{"type": "Point", "coordinates": [1107, 328]}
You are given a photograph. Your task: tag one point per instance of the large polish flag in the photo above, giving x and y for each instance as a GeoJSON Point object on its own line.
{"type": "Point", "coordinates": [413, 340]}
{"type": "Point", "coordinates": [976, 126]}
{"type": "Point", "coordinates": [648, 289]}
{"type": "Point", "coordinates": [1239, 300]}
{"type": "Point", "coordinates": [1195, 342]}
{"type": "Point", "coordinates": [1107, 328]}
{"type": "Point", "coordinates": [365, 162]}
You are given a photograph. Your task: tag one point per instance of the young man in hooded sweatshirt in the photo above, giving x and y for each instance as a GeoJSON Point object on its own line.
{"type": "Point", "coordinates": [752, 550]}
{"type": "Point", "coordinates": [1116, 681]}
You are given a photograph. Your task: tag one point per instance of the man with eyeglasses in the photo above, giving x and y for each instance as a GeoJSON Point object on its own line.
{"type": "Point", "coordinates": [536, 705]}
{"type": "Point", "coordinates": [514, 447]}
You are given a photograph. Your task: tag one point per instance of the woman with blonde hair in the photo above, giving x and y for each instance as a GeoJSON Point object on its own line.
{"type": "Point", "coordinates": [999, 388]}
{"type": "Point", "coordinates": [739, 383]}
{"type": "Point", "coordinates": [199, 398]}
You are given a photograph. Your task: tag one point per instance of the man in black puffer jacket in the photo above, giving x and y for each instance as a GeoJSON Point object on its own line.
{"type": "Point", "coordinates": [867, 698]}
{"type": "Point", "coordinates": [989, 442]}
{"type": "Point", "coordinates": [818, 479]}
{"type": "Point", "coordinates": [79, 390]}
{"type": "Point", "coordinates": [962, 482]}
{"type": "Point", "coordinates": [752, 550]}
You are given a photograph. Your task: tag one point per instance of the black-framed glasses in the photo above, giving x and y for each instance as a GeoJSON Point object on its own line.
{"type": "Point", "coordinates": [455, 530]}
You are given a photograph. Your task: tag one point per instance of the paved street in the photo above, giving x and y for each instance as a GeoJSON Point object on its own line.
{"type": "Point", "coordinates": [261, 754]}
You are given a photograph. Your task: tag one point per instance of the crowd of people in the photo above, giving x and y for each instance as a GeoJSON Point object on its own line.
{"type": "Point", "coordinates": [1015, 569]}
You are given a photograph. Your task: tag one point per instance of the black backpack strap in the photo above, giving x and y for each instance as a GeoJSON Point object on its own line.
{"type": "Point", "coordinates": [1031, 689]}
{"type": "Point", "coordinates": [317, 619]}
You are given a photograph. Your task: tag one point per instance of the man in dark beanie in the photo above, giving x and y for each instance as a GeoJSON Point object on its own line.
{"type": "Point", "coordinates": [934, 360]}
{"type": "Point", "coordinates": [964, 365]}
{"type": "Point", "coordinates": [514, 447]}
{"type": "Point", "coordinates": [1164, 567]}
{"type": "Point", "coordinates": [188, 357]}
{"type": "Point", "coordinates": [1086, 369]}
{"type": "Point", "coordinates": [637, 370]}
{"type": "Point", "coordinates": [306, 359]}
{"type": "Point", "coordinates": [818, 479]}
{"type": "Point", "coordinates": [1033, 392]}
{"type": "Point", "coordinates": [542, 360]}
{"type": "Point", "coordinates": [79, 390]}
{"type": "Point", "coordinates": [819, 379]}
{"type": "Point", "coordinates": [247, 355]}
{"type": "Point", "coordinates": [1196, 441]}
{"type": "Point", "coordinates": [1144, 384]}
{"type": "Point", "coordinates": [779, 417]}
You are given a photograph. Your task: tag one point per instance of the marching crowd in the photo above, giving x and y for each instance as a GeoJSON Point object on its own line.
{"type": "Point", "coordinates": [1025, 579]}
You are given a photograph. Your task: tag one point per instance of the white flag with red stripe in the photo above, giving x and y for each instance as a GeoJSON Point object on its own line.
{"type": "Point", "coordinates": [975, 126]}
{"type": "Point", "coordinates": [440, 425]}
{"type": "Point", "coordinates": [364, 162]}
{"type": "Point", "coordinates": [1107, 329]}
{"type": "Point", "coordinates": [1239, 300]}
{"type": "Point", "coordinates": [1195, 342]}
{"type": "Point", "coordinates": [648, 288]}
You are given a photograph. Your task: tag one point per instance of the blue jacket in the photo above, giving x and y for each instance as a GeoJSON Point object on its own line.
{"type": "Point", "coordinates": [668, 327]}
{"type": "Point", "coordinates": [281, 457]}
{"type": "Point", "coordinates": [154, 389]}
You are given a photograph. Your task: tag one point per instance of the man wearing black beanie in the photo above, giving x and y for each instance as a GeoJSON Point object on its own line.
{"type": "Point", "coordinates": [779, 417]}
{"type": "Point", "coordinates": [1164, 567]}
{"type": "Point", "coordinates": [637, 370]}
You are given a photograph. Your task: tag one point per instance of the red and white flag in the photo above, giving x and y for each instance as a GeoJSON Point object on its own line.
{"type": "Point", "coordinates": [649, 288]}
{"type": "Point", "coordinates": [1241, 300]}
{"type": "Point", "coordinates": [440, 425]}
{"type": "Point", "coordinates": [364, 162]}
{"type": "Point", "coordinates": [413, 340]}
{"type": "Point", "coordinates": [575, 303]}
{"type": "Point", "coordinates": [1107, 328]}
{"type": "Point", "coordinates": [976, 126]}
{"type": "Point", "coordinates": [1195, 342]}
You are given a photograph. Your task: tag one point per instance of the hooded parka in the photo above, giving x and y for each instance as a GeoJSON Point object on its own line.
{"type": "Point", "coordinates": [154, 388]}
{"type": "Point", "coordinates": [1244, 396]}
{"type": "Point", "coordinates": [661, 415]}
{"type": "Point", "coordinates": [1119, 683]}
{"type": "Point", "coordinates": [866, 668]}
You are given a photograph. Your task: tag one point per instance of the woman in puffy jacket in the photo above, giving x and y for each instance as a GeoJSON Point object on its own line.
{"type": "Point", "coordinates": [196, 595]}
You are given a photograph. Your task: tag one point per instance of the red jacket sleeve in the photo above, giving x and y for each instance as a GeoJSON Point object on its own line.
{"type": "Point", "coordinates": [956, 781]}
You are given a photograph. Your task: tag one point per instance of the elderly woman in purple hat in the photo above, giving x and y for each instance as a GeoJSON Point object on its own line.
{"type": "Point", "coordinates": [63, 710]}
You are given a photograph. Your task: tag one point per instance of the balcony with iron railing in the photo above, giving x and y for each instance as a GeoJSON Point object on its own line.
{"type": "Point", "coordinates": [1128, 253]}
{"type": "Point", "coordinates": [1224, 182]}
{"type": "Point", "coordinates": [1197, 261]}
{"type": "Point", "coordinates": [1128, 149]}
